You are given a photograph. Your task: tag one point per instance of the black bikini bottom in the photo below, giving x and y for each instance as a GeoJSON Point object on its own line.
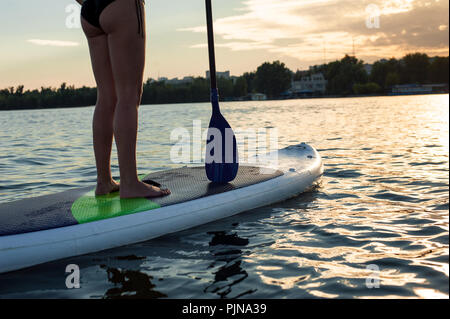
{"type": "Point", "coordinates": [92, 9]}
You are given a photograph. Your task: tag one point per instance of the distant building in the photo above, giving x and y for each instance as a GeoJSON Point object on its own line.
{"type": "Point", "coordinates": [225, 75]}
{"type": "Point", "coordinates": [410, 89]}
{"type": "Point", "coordinates": [313, 84]}
{"type": "Point", "coordinates": [296, 87]}
{"type": "Point", "coordinates": [368, 68]}
{"type": "Point", "coordinates": [176, 81]}
{"type": "Point", "coordinates": [188, 79]}
{"type": "Point", "coordinates": [258, 97]}
{"type": "Point", "coordinates": [172, 81]}
{"type": "Point", "coordinates": [234, 79]}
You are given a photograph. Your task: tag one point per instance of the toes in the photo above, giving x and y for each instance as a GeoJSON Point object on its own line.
{"type": "Point", "coordinates": [165, 191]}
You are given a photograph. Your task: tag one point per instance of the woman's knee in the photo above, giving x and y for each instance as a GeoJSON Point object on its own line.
{"type": "Point", "coordinates": [131, 97]}
{"type": "Point", "coordinates": [140, 91]}
{"type": "Point", "coordinates": [106, 102]}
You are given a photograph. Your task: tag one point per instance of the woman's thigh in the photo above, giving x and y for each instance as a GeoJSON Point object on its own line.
{"type": "Point", "coordinates": [121, 21]}
{"type": "Point", "coordinates": [101, 62]}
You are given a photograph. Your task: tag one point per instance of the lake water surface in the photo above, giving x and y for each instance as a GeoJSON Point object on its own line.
{"type": "Point", "coordinates": [380, 214]}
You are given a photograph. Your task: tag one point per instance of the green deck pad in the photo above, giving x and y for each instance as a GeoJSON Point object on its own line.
{"type": "Point", "coordinates": [91, 208]}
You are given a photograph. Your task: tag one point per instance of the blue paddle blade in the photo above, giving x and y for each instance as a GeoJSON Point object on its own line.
{"type": "Point", "coordinates": [221, 160]}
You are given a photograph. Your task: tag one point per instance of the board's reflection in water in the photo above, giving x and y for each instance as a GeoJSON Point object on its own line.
{"type": "Point", "coordinates": [138, 284]}
{"type": "Point", "coordinates": [130, 283]}
{"type": "Point", "coordinates": [231, 273]}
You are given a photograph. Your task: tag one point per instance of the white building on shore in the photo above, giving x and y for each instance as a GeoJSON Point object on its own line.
{"type": "Point", "coordinates": [225, 75]}
{"type": "Point", "coordinates": [314, 84]}
{"type": "Point", "coordinates": [176, 81]}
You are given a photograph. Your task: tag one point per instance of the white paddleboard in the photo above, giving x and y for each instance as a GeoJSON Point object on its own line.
{"type": "Point", "coordinates": [76, 222]}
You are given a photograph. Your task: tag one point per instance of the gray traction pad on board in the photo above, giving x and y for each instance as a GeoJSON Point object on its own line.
{"type": "Point", "coordinates": [54, 211]}
{"type": "Point", "coordinates": [189, 183]}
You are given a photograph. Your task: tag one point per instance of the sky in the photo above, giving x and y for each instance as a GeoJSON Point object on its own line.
{"type": "Point", "coordinates": [43, 45]}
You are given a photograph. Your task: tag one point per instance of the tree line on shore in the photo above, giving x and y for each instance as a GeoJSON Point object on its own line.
{"type": "Point", "coordinates": [345, 77]}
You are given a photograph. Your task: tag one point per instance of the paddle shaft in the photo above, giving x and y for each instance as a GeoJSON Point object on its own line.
{"type": "Point", "coordinates": [218, 169]}
{"type": "Point", "coordinates": [212, 55]}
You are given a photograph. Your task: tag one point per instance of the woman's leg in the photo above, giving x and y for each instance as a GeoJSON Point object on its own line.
{"type": "Point", "coordinates": [127, 53]}
{"type": "Point", "coordinates": [102, 125]}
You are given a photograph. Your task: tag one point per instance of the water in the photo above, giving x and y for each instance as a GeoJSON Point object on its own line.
{"type": "Point", "coordinates": [383, 204]}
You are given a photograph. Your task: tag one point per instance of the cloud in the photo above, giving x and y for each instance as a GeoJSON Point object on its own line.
{"type": "Point", "coordinates": [53, 43]}
{"type": "Point", "coordinates": [308, 30]}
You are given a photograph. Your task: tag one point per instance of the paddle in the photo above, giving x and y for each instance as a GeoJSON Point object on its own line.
{"type": "Point", "coordinates": [221, 161]}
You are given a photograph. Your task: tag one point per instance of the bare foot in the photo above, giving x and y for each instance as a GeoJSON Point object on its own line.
{"type": "Point", "coordinates": [106, 188]}
{"type": "Point", "coordinates": [140, 190]}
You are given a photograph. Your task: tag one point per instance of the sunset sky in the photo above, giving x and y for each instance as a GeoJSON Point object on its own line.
{"type": "Point", "coordinates": [40, 46]}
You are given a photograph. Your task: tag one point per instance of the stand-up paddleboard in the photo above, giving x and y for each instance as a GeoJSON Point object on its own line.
{"type": "Point", "coordinates": [76, 222]}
